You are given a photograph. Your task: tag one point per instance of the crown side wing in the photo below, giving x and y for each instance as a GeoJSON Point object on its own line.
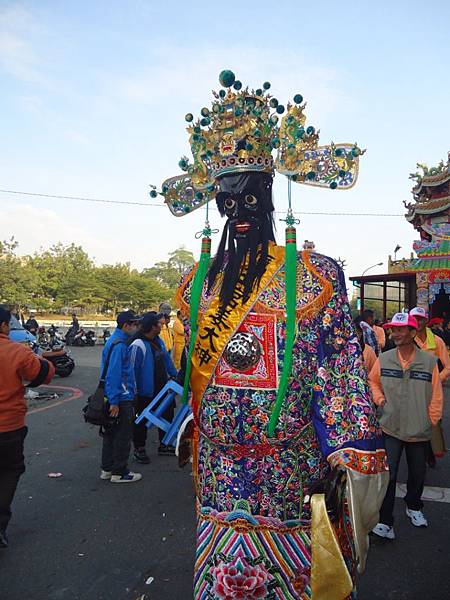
{"type": "Point", "coordinates": [335, 166]}
{"type": "Point", "coordinates": [182, 197]}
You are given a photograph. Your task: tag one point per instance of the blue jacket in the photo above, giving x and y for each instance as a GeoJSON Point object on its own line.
{"type": "Point", "coordinates": [119, 384]}
{"type": "Point", "coordinates": [143, 364]}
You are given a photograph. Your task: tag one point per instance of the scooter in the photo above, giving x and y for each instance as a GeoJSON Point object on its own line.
{"type": "Point", "coordinates": [91, 338]}
{"type": "Point", "coordinates": [61, 360]}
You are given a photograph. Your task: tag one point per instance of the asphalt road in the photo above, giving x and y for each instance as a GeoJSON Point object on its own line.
{"type": "Point", "coordinates": [79, 538]}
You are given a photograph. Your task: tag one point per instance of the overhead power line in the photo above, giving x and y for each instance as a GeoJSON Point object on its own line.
{"type": "Point", "coordinates": [106, 201]}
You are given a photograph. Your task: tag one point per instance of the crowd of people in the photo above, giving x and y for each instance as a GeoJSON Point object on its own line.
{"type": "Point", "coordinates": [136, 364]}
{"type": "Point", "coordinates": [406, 361]}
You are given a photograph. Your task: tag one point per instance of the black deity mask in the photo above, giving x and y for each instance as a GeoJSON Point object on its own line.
{"type": "Point", "coordinates": [246, 200]}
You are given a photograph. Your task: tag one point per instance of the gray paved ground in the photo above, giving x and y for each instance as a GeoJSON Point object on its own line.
{"type": "Point", "coordinates": [79, 538]}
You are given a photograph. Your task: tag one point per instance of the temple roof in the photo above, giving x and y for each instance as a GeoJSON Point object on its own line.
{"type": "Point", "coordinates": [427, 207]}
{"type": "Point", "coordinates": [433, 177]}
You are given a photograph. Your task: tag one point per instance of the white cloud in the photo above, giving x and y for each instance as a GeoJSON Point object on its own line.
{"type": "Point", "coordinates": [35, 228]}
{"type": "Point", "coordinates": [178, 77]}
{"type": "Point", "coordinates": [17, 55]}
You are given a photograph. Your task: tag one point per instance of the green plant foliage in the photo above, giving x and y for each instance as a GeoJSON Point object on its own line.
{"type": "Point", "coordinates": [64, 276]}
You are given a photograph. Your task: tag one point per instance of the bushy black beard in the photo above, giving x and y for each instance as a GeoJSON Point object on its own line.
{"type": "Point", "coordinates": [255, 246]}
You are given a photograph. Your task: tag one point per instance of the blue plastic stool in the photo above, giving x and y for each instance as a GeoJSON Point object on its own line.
{"type": "Point", "coordinates": [162, 401]}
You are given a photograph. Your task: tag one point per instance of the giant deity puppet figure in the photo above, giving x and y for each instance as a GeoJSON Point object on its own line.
{"type": "Point", "coordinates": [288, 462]}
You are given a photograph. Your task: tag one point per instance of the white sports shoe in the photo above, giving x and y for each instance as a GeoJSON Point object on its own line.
{"type": "Point", "coordinates": [105, 474]}
{"type": "Point", "coordinates": [417, 518]}
{"type": "Point", "coordinates": [128, 477]}
{"type": "Point", "coordinates": [384, 531]}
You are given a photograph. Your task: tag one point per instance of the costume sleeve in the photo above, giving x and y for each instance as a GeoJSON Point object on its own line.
{"type": "Point", "coordinates": [437, 398]}
{"type": "Point", "coordinates": [443, 357]}
{"type": "Point", "coordinates": [344, 418]}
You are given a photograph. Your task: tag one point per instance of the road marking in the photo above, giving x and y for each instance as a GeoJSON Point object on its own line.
{"type": "Point", "coordinates": [76, 393]}
{"type": "Point", "coordinates": [435, 494]}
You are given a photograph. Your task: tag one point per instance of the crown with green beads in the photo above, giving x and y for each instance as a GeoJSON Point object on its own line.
{"type": "Point", "coordinates": [241, 132]}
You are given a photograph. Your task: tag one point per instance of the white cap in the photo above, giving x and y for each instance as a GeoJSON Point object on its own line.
{"type": "Point", "coordinates": [418, 311]}
{"type": "Point", "coordinates": [401, 320]}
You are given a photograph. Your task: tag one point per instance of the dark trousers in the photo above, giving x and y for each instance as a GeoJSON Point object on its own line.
{"type": "Point", "coordinates": [117, 441]}
{"type": "Point", "coordinates": [168, 415]}
{"type": "Point", "coordinates": [416, 459]}
{"type": "Point", "coordinates": [140, 431]}
{"type": "Point", "coordinates": [12, 465]}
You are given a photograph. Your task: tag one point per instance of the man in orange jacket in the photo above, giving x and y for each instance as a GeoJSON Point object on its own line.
{"type": "Point", "coordinates": [428, 341]}
{"type": "Point", "coordinates": [17, 363]}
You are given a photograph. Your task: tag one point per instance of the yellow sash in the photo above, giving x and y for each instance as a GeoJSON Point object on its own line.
{"type": "Point", "coordinates": [215, 329]}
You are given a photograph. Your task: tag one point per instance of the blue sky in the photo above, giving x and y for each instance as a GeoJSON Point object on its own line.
{"type": "Point", "coordinates": [94, 93]}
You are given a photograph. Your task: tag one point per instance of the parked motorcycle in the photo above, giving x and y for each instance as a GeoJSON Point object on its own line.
{"type": "Point", "coordinates": [106, 335]}
{"type": "Point", "coordinates": [55, 335]}
{"type": "Point", "coordinates": [62, 361]}
{"type": "Point", "coordinates": [84, 338]}
{"type": "Point", "coordinates": [58, 355]}
{"type": "Point", "coordinates": [91, 338]}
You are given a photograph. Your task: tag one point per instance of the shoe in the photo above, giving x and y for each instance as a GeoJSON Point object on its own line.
{"type": "Point", "coordinates": [3, 539]}
{"type": "Point", "coordinates": [417, 518]}
{"type": "Point", "coordinates": [129, 477]}
{"type": "Point", "coordinates": [384, 531]}
{"type": "Point", "coordinates": [105, 474]}
{"type": "Point", "coordinates": [164, 450]}
{"type": "Point", "coordinates": [141, 456]}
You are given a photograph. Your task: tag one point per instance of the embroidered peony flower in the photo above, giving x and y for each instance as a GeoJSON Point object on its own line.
{"type": "Point", "coordinates": [239, 580]}
{"type": "Point", "coordinates": [323, 373]}
{"type": "Point", "coordinates": [302, 580]}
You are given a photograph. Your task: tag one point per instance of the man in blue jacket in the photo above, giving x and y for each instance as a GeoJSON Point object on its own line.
{"type": "Point", "coordinates": [120, 391]}
{"type": "Point", "coordinates": [152, 368]}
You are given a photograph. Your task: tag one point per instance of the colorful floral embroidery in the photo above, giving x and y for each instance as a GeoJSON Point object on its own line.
{"type": "Point", "coordinates": [327, 410]}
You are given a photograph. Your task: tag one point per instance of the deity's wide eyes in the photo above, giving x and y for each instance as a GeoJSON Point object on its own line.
{"type": "Point", "coordinates": [251, 200]}
{"type": "Point", "coordinates": [230, 203]}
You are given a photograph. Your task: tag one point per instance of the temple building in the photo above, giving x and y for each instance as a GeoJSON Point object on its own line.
{"type": "Point", "coordinates": [424, 278]}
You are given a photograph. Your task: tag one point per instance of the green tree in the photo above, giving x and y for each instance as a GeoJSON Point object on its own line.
{"type": "Point", "coordinates": [66, 275]}
{"type": "Point", "coordinates": [18, 280]}
{"type": "Point", "coordinates": [181, 259]}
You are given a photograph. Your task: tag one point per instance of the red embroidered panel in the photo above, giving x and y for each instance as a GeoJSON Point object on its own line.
{"type": "Point", "coordinates": [262, 375]}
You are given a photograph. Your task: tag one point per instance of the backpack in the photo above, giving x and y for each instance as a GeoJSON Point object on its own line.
{"type": "Point", "coordinates": [96, 411]}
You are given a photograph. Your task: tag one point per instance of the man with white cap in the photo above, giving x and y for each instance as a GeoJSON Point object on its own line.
{"type": "Point", "coordinates": [428, 341]}
{"type": "Point", "coordinates": [407, 389]}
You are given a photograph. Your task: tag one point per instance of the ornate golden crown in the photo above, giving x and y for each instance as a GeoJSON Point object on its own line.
{"type": "Point", "coordinates": [240, 132]}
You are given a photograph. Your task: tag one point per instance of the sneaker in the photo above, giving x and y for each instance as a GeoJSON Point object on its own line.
{"type": "Point", "coordinates": [105, 474]}
{"type": "Point", "coordinates": [164, 450]}
{"type": "Point", "coordinates": [417, 518]}
{"type": "Point", "coordinates": [141, 456]}
{"type": "Point", "coordinates": [126, 477]}
{"type": "Point", "coordinates": [384, 531]}
{"type": "Point", "coordinates": [3, 539]}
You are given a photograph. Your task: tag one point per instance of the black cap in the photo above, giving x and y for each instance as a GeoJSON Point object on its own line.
{"type": "Point", "coordinates": [127, 316]}
{"type": "Point", "coordinates": [149, 320]}
{"type": "Point", "coordinates": [5, 315]}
